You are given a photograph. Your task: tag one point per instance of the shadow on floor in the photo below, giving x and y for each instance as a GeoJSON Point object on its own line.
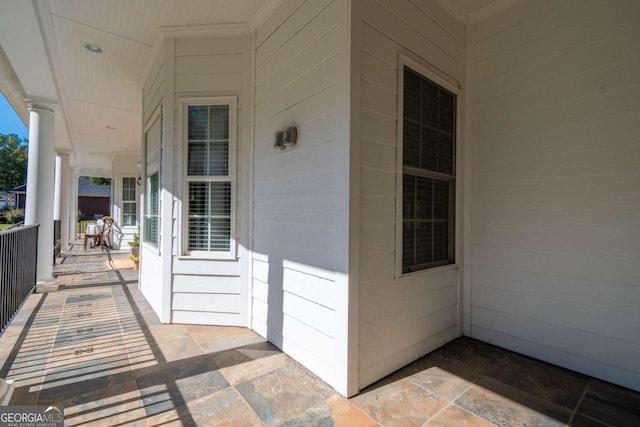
{"type": "Point", "coordinates": [504, 388]}
{"type": "Point", "coordinates": [99, 351]}
{"type": "Point", "coordinates": [96, 347]}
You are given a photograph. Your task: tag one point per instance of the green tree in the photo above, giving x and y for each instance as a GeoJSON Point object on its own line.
{"type": "Point", "coordinates": [100, 181]}
{"type": "Point", "coordinates": [13, 161]}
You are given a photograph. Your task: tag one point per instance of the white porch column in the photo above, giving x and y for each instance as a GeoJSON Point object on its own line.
{"type": "Point", "coordinates": [61, 196]}
{"type": "Point", "coordinates": [39, 205]}
{"type": "Point", "coordinates": [73, 204]}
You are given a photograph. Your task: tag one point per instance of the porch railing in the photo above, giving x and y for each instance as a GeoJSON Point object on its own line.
{"type": "Point", "coordinates": [81, 226]}
{"type": "Point", "coordinates": [57, 235]}
{"type": "Point", "coordinates": [18, 258]}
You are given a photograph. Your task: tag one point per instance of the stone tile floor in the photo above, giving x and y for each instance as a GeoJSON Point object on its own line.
{"type": "Point", "coordinates": [96, 347]}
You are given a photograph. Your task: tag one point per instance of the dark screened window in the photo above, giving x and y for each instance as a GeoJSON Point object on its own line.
{"type": "Point", "coordinates": [428, 180]}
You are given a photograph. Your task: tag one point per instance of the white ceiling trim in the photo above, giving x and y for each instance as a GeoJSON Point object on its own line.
{"type": "Point", "coordinates": [39, 102]}
{"type": "Point", "coordinates": [100, 173]}
{"type": "Point", "coordinates": [189, 31]}
{"type": "Point", "coordinates": [458, 11]}
{"type": "Point", "coordinates": [209, 30]}
{"type": "Point", "coordinates": [455, 9]}
{"type": "Point", "coordinates": [212, 30]}
{"type": "Point", "coordinates": [265, 11]}
{"type": "Point", "coordinates": [12, 89]}
{"type": "Point", "coordinates": [23, 46]}
{"type": "Point", "coordinates": [62, 151]}
{"type": "Point", "coordinates": [491, 9]}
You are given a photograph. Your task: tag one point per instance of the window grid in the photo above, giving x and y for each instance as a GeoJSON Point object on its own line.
{"type": "Point", "coordinates": [153, 159]}
{"type": "Point", "coordinates": [428, 180]}
{"type": "Point", "coordinates": [209, 179]}
{"type": "Point", "coordinates": [209, 216]}
{"type": "Point", "coordinates": [152, 217]}
{"type": "Point", "coordinates": [129, 202]}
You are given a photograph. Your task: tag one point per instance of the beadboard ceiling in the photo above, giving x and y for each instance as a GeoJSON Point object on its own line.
{"type": "Point", "coordinates": [99, 96]}
{"type": "Point", "coordinates": [470, 11]}
{"type": "Point", "coordinates": [100, 93]}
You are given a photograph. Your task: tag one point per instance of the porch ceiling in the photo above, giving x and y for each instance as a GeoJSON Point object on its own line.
{"type": "Point", "coordinates": [99, 95]}
{"type": "Point", "coordinates": [469, 11]}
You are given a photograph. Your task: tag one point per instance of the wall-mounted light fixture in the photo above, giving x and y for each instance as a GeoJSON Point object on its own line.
{"type": "Point", "coordinates": [139, 179]}
{"type": "Point", "coordinates": [278, 140]}
{"type": "Point", "coordinates": [285, 139]}
{"type": "Point", "coordinates": [291, 136]}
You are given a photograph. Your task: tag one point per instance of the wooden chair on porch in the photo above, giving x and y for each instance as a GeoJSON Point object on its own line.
{"type": "Point", "coordinates": [92, 234]}
{"type": "Point", "coordinates": [107, 229]}
{"type": "Point", "coordinates": [99, 234]}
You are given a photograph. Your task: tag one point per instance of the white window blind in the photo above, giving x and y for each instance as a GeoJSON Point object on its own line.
{"type": "Point", "coordinates": [428, 180]}
{"type": "Point", "coordinates": [129, 202]}
{"type": "Point", "coordinates": [209, 216]}
{"type": "Point", "coordinates": [209, 182]}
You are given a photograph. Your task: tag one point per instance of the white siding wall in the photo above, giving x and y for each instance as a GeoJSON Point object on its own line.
{"type": "Point", "coordinates": [399, 320]}
{"type": "Point", "coordinates": [151, 279]}
{"type": "Point", "coordinates": [212, 291]}
{"type": "Point", "coordinates": [151, 267]}
{"type": "Point", "coordinates": [556, 200]}
{"type": "Point", "coordinates": [299, 193]}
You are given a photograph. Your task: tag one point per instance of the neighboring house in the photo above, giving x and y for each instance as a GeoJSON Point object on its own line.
{"type": "Point", "coordinates": [5, 201]}
{"type": "Point", "coordinates": [461, 167]}
{"type": "Point", "coordinates": [19, 195]}
{"type": "Point", "coordinates": [93, 199]}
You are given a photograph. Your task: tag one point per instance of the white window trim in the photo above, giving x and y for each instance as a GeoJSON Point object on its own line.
{"type": "Point", "coordinates": [154, 248]}
{"type": "Point", "coordinates": [135, 200]}
{"type": "Point", "coordinates": [426, 71]}
{"type": "Point", "coordinates": [232, 102]}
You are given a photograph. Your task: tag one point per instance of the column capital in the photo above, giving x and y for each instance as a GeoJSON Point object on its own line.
{"type": "Point", "coordinates": [63, 152]}
{"type": "Point", "coordinates": [40, 103]}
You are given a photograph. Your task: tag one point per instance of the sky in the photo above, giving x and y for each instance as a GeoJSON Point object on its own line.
{"type": "Point", "coordinates": [9, 120]}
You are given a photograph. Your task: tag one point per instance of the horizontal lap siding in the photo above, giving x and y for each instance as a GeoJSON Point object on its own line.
{"type": "Point", "coordinates": [153, 88]}
{"type": "Point", "coordinates": [399, 320]}
{"type": "Point", "coordinates": [556, 121]}
{"type": "Point", "coordinates": [297, 75]}
{"type": "Point", "coordinates": [212, 291]}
